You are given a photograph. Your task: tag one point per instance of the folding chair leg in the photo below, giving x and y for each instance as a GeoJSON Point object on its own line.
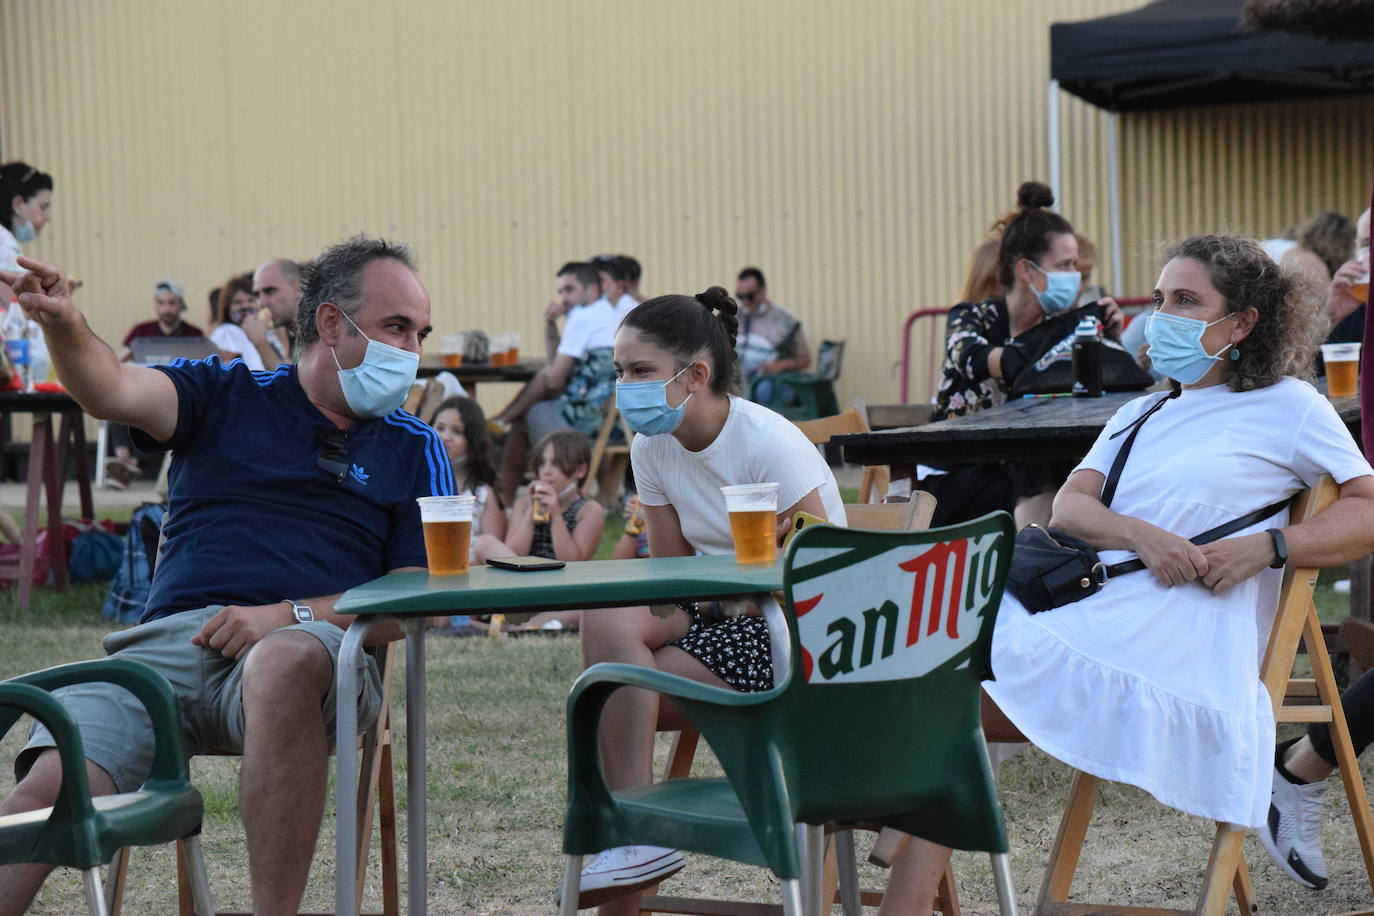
{"type": "Point", "coordinates": [791, 898]}
{"type": "Point", "coordinates": [572, 885]}
{"type": "Point", "coordinates": [1221, 871]}
{"type": "Point", "coordinates": [947, 894]}
{"type": "Point", "coordinates": [116, 878]}
{"type": "Point", "coordinates": [1068, 844]}
{"type": "Point", "coordinates": [1245, 890]}
{"type": "Point", "coordinates": [200, 881]}
{"type": "Point", "coordinates": [850, 904]}
{"type": "Point", "coordinates": [1330, 695]}
{"type": "Point", "coordinates": [95, 893]}
{"type": "Point", "coordinates": [1006, 891]}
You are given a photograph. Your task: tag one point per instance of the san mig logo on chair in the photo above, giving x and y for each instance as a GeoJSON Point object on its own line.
{"type": "Point", "coordinates": [894, 615]}
{"type": "Point", "coordinates": [358, 474]}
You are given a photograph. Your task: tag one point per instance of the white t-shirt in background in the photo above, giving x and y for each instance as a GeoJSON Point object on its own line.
{"type": "Point", "coordinates": [623, 306]}
{"type": "Point", "coordinates": [756, 445]}
{"type": "Point", "coordinates": [234, 339]}
{"type": "Point", "coordinates": [589, 327]}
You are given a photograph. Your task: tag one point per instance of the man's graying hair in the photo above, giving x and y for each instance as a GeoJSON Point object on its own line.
{"type": "Point", "coordinates": [336, 275]}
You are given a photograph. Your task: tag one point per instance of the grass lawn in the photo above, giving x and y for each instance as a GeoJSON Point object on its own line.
{"type": "Point", "coordinates": [496, 781]}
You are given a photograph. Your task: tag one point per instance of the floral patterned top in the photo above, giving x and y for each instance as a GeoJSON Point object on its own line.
{"type": "Point", "coordinates": [970, 332]}
{"type": "Point", "coordinates": [590, 383]}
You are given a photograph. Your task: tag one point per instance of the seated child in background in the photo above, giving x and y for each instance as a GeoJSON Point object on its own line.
{"type": "Point", "coordinates": [552, 518]}
{"type": "Point", "coordinates": [462, 427]}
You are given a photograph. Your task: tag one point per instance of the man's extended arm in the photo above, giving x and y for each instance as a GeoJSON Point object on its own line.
{"type": "Point", "coordinates": [104, 387]}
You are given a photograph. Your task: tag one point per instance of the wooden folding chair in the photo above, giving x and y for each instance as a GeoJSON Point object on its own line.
{"type": "Point", "coordinates": [873, 484]}
{"type": "Point", "coordinates": [379, 785]}
{"type": "Point", "coordinates": [1295, 619]}
{"type": "Point", "coordinates": [609, 460]}
{"type": "Point", "coordinates": [908, 516]}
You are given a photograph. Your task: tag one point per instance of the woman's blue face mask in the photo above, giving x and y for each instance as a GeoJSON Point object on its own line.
{"type": "Point", "coordinates": [1061, 289]}
{"type": "Point", "coordinates": [644, 405]}
{"type": "Point", "coordinates": [1176, 346]}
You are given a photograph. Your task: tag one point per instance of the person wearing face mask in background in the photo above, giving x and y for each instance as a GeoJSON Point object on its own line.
{"type": "Point", "coordinates": [678, 389]}
{"type": "Point", "coordinates": [25, 204]}
{"type": "Point", "coordinates": [287, 488]}
{"type": "Point", "coordinates": [986, 350]}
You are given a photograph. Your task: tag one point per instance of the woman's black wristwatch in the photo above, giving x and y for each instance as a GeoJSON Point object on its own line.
{"type": "Point", "coordinates": [1280, 548]}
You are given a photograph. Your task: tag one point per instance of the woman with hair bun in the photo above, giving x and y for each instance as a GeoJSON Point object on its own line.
{"type": "Point", "coordinates": [675, 361]}
{"type": "Point", "coordinates": [1154, 679]}
{"type": "Point", "coordinates": [1037, 266]}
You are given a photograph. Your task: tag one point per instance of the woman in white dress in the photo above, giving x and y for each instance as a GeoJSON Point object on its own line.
{"type": "Point", "coordinates": [1154, 680]}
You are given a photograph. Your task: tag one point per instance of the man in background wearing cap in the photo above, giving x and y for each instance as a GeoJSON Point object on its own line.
{"type": "Point", "coordinates": [170, 301]}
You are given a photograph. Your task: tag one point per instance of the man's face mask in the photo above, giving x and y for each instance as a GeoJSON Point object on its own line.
{"type": "Point", "coordinates": [379, 384]}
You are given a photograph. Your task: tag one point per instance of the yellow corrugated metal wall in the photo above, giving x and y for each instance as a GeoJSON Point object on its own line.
{"type": "Point", "coordinates": [854, 151]}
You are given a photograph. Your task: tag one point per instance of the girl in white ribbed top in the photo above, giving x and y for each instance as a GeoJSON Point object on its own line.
{"type": "Point", "coordinates": [675, 358]}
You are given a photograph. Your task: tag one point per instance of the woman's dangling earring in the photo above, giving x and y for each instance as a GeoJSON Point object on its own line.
{"type": "Point", "coordinates": [1235, 353]}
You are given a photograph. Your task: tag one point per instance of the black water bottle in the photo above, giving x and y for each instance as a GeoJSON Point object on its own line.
{"type": "Point", "coordinates": [1087, 359]}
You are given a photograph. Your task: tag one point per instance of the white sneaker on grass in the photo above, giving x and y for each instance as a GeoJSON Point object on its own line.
{"type": "Point", "coordinates": [1293, 834]}
{"type": "Point", "coordinates": [622, 870]}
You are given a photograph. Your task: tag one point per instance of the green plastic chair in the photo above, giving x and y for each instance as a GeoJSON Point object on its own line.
{"type": "Point", "coordinates": [84, 832]}
{"type": "Point", "coordinates": [876, 722]}
{"type": "Point", "coordinates": [803, 395]}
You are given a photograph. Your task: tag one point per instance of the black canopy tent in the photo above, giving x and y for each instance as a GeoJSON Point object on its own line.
{"type": "Point", "coordinates": [1184, 54]}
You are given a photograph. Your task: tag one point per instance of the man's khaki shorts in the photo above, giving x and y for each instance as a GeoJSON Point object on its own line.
{"type": "Point", "coordinates": [116, 731]}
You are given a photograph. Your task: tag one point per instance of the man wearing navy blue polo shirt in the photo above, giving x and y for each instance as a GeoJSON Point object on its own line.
{"type": "Point", "coordinates": [287, 488]}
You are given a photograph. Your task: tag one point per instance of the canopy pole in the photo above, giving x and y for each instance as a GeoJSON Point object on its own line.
{"type": "Point", "coordinates": [1054, 144]}
{"type": "Point", "coordinates": [1112, 126]}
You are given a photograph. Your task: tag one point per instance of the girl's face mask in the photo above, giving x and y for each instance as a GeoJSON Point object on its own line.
{"type": "Point", "coordinates": [644, 405]}
{"type": "Point", "coordinates": [1176, 346]}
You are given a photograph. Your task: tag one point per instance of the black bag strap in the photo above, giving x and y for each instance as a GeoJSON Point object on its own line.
{"type": "Point", "coordinates": [1207, 537]}
{"type": "Point", "coordinates": [1114, 475]}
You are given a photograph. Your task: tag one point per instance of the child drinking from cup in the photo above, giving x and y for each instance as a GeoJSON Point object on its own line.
{"type": "Point", "coordinates": [551, 517]}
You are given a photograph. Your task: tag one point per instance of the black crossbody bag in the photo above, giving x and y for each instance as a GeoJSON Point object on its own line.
{"type": "Point", "coordinates": [1050, 568]}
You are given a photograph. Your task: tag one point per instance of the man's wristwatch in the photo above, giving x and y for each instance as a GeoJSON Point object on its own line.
{"type": "Point", "coordinates": [302, 612]}
{"type": "Point", "coordinates": [1280, 548]}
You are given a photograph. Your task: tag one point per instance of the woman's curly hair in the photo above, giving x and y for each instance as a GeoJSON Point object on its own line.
{"type": "Point", "coordinates": [1291, 323]}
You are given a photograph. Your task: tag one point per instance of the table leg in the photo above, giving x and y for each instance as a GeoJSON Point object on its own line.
{"type": "Point", "coordinates": [52, 481]}
{"type": "Point", "coordinates": [417, 874]}
{"type": "Point", "coordinates": [28, 546]}
{"type": "Point", "coordinates": [346, 778]}
{"type": "Point", "coordinates": [76, 424]}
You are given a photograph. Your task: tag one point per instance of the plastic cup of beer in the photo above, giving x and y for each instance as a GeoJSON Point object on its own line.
{"type": "Point", "coordinates": [753, 509]}
{"type": "Point", "coordinates": [447, 522]}
{"type": "Point", "coordinates": [1360, 287]}
{"type": "Point", "coordinates": [512, 349]}
{"type": "Point", "coordinates": [1342, 369]}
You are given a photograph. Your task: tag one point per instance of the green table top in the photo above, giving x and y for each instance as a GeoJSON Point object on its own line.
{"type": "Point", "coordinates": [591, 584]}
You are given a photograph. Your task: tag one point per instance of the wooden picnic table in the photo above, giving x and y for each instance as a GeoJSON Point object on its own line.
{"type": "Point", "coordinates": [46, 478]}
{"type": "Point", "coordinates": [1027, 428]}
{"type": "Point", "coordinates": [471, 373]}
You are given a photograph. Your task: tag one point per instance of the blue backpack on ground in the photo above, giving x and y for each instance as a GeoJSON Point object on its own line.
{"type": "Point", "coordinates": [128, 595]}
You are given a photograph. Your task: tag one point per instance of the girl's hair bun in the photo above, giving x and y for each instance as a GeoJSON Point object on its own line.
{"type": "Point", "coordinates": [717, 299]}
{"type": "Point", "coordinates": [1034, 195]}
